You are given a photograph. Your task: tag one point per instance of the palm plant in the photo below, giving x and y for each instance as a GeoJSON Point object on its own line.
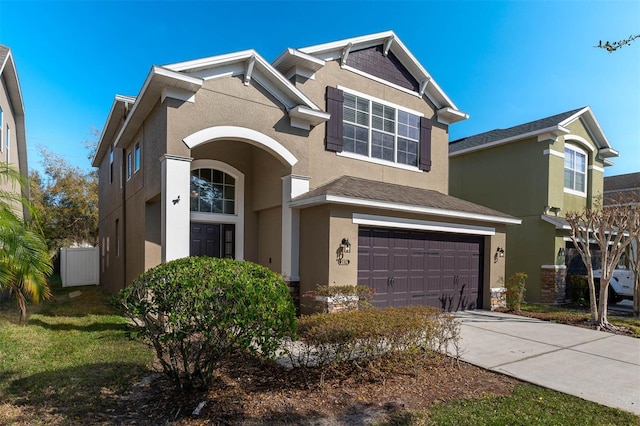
{"type": "Point", "coordinates": [24, 260]}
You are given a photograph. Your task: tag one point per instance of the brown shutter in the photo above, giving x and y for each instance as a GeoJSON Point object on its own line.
{"type": "Point", "coordinates": [425, 144]}
{"type": "Point", "coordinates": [335, 99]}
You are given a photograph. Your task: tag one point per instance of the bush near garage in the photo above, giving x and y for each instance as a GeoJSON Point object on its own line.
{"type": "Point", "coordinates": [363, 339]}
{"type": "Point", "coordinates": [196, 311]}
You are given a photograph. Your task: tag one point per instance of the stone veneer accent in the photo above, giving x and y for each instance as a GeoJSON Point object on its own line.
{"type": "Point", "coordinates": [498, 298]}
{"type": "Point", "coordinates": [553, 284]}
{"type": "Point", "coordinates": [294, 291]}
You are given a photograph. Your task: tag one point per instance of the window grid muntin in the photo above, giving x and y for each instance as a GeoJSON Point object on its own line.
{"type": "Point", "coordinates": [380, 121]}
{"type": "Point", "coordinates": [575, 170]}
{"type": "Point", "coordinates": [217, 186]}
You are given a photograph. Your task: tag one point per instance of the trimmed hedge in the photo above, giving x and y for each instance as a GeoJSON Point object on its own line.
{"type": "Point", "coordinates": [327, 341]}
{"type": "Point", "coordinates": [197, 310]}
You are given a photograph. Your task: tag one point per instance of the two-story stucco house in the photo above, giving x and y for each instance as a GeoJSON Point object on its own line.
{"type": "Point", "coordinates": [13, 141]}
{"type": "Point", "coordinates": [329, 166]}
{"type": "Point", "coordinates": [537, 172]}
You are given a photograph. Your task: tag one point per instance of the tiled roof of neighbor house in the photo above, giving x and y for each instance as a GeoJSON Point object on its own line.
{"type": "Point", "coordinates": [511, 132]}
{"type": "Point", "coordinates": [625, 188]}
{"type": "Point", "coordinates": [363, 189]}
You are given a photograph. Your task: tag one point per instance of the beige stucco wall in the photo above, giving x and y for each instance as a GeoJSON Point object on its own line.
{"type": "Point", "coordinates": [269, 238]}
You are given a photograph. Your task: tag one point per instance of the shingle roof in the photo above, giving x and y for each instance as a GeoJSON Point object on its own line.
{"type": "Point", "coordinates": [374, 191]}
{"type": "Point", "coordinates": [622, 188]}
{"type": "Point", "coordinates": [511, 132]}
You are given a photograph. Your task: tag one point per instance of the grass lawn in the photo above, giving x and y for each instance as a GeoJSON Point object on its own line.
{"type": "Point", "coordinates": [574, 316]}
{"type": "Point", "coordinates": [72, 363]}
{"type": "Point", "coordinates": [70, 360]}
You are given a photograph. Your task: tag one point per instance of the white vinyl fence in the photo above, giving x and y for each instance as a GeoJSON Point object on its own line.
{"type": "Point", "coordinates": [79, 266]}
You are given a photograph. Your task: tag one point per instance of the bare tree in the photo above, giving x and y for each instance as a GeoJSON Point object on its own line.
{"type": "Point", "coordinates": [612, 46]}
{"type": "Point", "coordinates": [612, 228]}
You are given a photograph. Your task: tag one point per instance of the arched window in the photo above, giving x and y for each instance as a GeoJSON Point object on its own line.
{"type": "Point", "coordinates": [212, 191]}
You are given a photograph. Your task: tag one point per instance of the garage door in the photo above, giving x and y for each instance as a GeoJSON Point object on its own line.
{"type": "Point", "coordinates": [421, 268]}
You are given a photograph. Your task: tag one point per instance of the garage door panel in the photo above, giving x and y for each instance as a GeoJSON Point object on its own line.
{"type": "Point", "coordinates": [423, 268]}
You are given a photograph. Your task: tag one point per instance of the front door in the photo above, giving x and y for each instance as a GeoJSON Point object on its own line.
{"type": "Point", "coordinates": [213, 239]}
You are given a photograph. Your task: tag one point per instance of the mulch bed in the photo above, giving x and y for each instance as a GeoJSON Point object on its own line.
{"type": "Point", "coordinates": [247, 392]}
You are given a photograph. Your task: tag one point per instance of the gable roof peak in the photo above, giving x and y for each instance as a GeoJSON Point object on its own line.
{"type": "Point", "coordinates": [339, 50]}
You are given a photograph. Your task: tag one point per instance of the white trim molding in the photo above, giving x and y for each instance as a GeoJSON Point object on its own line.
{"type": "Point", "coordinates": [238, 217]}
{"type": "Point", "coordinates": [242, 134]}
{"type": "Point", "coordinates": [174, 228]}
{"type": "Point", "coordinates": [387, 205]}
{"type": "Point", "coordinates": [553, 152]}
{"type": "Point", "coordinates": [596, 168]}
{"type": "Point", "coordinates": [422, 225]}
{"type": "Point", "coordinates": [292, 186]}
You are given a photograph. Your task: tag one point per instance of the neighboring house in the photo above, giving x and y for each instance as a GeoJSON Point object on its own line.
{"type": "Point", "coordinates": [329, 166]}
{"type": "Point", "coordinates": [13, 142]}
{"type": "Point", "coordinates": [537, 172]}
{"type": "Point", "coordinates": [623, 190]}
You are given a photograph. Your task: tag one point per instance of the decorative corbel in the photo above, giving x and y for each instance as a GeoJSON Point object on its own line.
{"type": "Point", "coordinates": [345, 54]}
{"type": "Point", "coordinates": [387, 45]}
{"type": "Point", "coordinates": [249, 70]}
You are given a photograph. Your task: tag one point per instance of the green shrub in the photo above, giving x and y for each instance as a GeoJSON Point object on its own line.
{"type": "Point", "coordinates": [327, 341]}
{"type": "Point", "coordinates": [578, 288]}
{"type": "Point", "coordinates": [515, 290]}
{"type": "Point", "coordinates": [197, 310]}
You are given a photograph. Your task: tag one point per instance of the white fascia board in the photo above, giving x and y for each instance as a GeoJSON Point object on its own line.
{"type": "Point", "coordinates": [591, 123]}
{"type": "Point", "coordinates": [608, 152]}
{"type": "Point", "coordinates": [167, 76]}
{"type": "Point", "coordinates": [13, 84]}
{"type": "Point", "coordinates": [385, 205]}
{"type": "Point", "coordinates": [211, 61]}
{"type": "Point", "coordinates": [285, 85]}
{"type": "Point", "coordinates": [422, 225]}
{"type": "Point", "coordinates": [308, 116]}
{"type": "Point", "coordinates": [340, 44]}
{"type": "Point", "coordinates": [449, 115]}
{"type": "Point", "coordinates": [552, 129]}
{"type": "Point", "coordinates": [298, 58]}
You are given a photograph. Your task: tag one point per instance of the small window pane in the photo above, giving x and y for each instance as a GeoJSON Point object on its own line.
{"type": "Point", "coordinates": [229, 207]}
{"type": "Point", "coordinates": [205, 175]}
{"type": "Point", "coordinates": [568, 179]}
{"type": "Point", "coordinates": [580, 181]}
{"type": "Point", "coordinates": [218, 176]}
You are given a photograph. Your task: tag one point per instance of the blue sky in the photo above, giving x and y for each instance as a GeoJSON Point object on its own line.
{"type": "Point", "coordinates": [502, 62]}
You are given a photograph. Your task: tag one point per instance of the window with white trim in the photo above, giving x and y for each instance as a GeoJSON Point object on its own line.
{"type": "Point", "coordinates": [379, 130]}
{"type": "Point", "coordinates": [213, 191]}
{"type": "Point", "coordinates": [575, 170]}
{"type": "Point", "coordinates": [136, 157]}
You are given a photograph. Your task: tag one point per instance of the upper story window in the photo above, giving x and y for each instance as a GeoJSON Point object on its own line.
{"type": "Point", "coordinates": [575, 170]}
{"type": "Point", "coordinates": [212, 191]}
{"type": "Point", "coordinates": [379, 130]}
{"type": "Point", "coordinates": [136, 157]}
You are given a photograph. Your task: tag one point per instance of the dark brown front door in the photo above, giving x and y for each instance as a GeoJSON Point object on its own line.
{"type": "Point", "coordinates": [421, 268]}
{"type": "Point", "coordinates": [212, 239]}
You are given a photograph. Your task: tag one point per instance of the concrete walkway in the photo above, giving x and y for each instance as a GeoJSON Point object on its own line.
{"type": "Point", "coordinates": [593, 365]}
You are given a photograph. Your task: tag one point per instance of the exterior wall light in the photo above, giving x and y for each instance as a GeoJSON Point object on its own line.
{"type": "Point", "coordinates": [561, 256]}
{"type": "Point", "coordinates": [344, 247]}
{"type": "Point", "coordinates": [499, 253]}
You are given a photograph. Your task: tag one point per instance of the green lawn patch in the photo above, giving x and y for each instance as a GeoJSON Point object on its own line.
{"type": "Point", "coordinates": [71, 359]}
{"type": "Point", "coordinates": [528, 405]}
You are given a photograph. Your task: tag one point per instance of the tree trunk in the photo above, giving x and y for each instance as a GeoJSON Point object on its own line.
{"type": "Point", "coordinates": [22, 306]}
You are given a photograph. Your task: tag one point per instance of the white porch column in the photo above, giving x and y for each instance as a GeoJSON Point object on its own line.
{"type": "Point", "coordinates": [176, 174]}
{"type": "Point", "coordinates": [292, 186]}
